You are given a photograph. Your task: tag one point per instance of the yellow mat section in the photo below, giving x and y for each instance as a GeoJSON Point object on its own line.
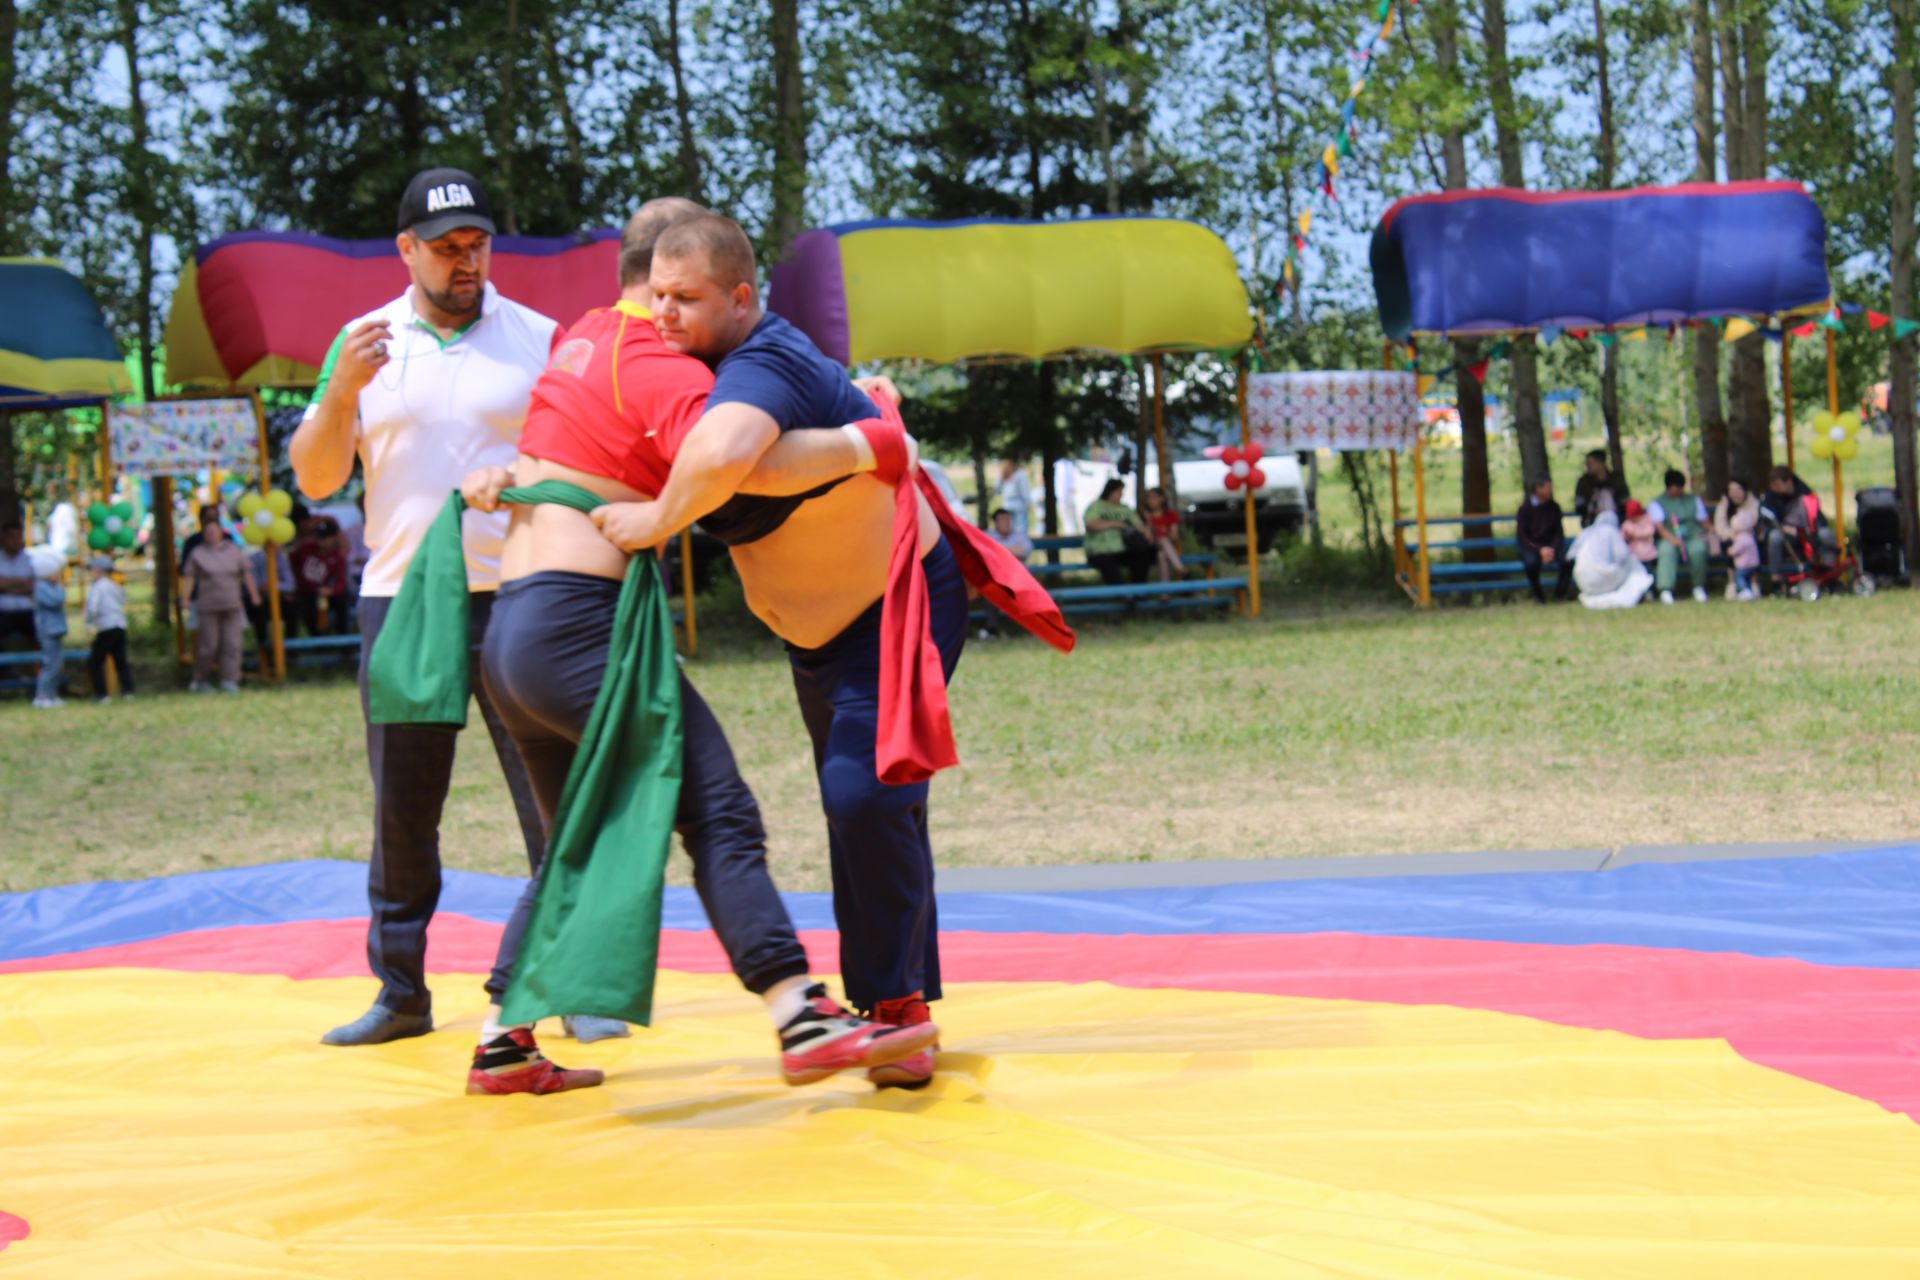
{"type": "Point", "coordinates": [162, 1124]}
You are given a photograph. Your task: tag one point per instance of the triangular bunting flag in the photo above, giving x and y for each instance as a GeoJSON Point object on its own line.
{"type": "Point", "coordinates": [1499, 350]}
{"type": "Point", "coordinates": [1803, 330]}
{"type": "Point", "coordinates": [1549, 332]}
{"type": "Point", "coordinates": [1850, 308]}
{"type": "Point", "coordinates": [1344, 142]}
{"type": "Point", "coordinates": [1422, 383]}
{"type": "Point", "coordinates": [1479, 372]}
{"type": "Point", "coordinates": [1385, 8]}
{"type": "Point", "coordinates": [1306, 222]}
{"type": "Point", "coordinates": [1608, 339]}
{"type": "Point", "coordinates": [1902, 328]}
{"type": "Point", "coordinates": [1330, 161]}
{"type": "Point", "coordinates": [1579, 335]}
{"type": "Point", "coordinates": [1636, 335]}
{"type": "Point", "coordinates": [1832, 320]}
{"type": "Point", "coordinates": [1386, 28]}
{"type": "Point", "coordinates": [1875, 320]}
{"type": "Point", "coordinates": [1739, 327]}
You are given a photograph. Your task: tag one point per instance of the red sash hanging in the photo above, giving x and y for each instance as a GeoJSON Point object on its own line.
{"type": "Point", "coordinates": [915, 737]}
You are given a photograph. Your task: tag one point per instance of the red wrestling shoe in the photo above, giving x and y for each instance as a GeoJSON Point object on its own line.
{"type": "Point", "coordinates": [916, 1070]}
{"type": "Point", "coordinates": [825, 1038]}
{"type": "Point", "coordinates": [513, 1063]}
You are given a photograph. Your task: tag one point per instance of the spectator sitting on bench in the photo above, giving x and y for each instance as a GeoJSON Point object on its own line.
{"type": "Point", "coordinates": [1599, 490]}
{"type": "Point", "coordinates": [319, 561]}
{"type": "Point", "coordinates": [1736, 522]}
{"type": "Point", "coordinates": [1784, 516]}
{"type": "Point", "coordinates": [1683, 537]}
{"type": "Point", "coordinates": [16, 589]}
{"type": "Point", "coordinates": [1163, 526]}
{"type": "Point", "coordinates": [1117, 542]}
{"type": "Point", "coordinates": [1018, 545]}
{"type": "Point", "coordinates": [1641, 531]}
{"type": "Point", "coordinates": [1542, 539]}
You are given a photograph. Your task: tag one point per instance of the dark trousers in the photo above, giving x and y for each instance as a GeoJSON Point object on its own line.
{"type": "Point", "coordinates": [545, 657]}
{"type": "Point", "coordinates": [1132, 565]}
{"type": "Point", "coordinates": [110, 643]}
{"type": "Point", "coordinates": [412, 765]}
{"type": "Point", "coordinates": [1530, 560]}
{"type": "Point", "coordinates": [17, 630]}
{"type": "Point", "coordinates": [306, 614]}
{"type": "Point", "coordinates": [882, 860]}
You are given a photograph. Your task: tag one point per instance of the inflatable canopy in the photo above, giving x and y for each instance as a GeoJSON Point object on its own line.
{"type": "Point", "coordinates": [260, 308]}
{"type": "Point", "coordinates": [945, 291]}
{"type": "Point", "coordinates": [1503, 259]}
{"type": "Point", "coordinates": [55, 349]}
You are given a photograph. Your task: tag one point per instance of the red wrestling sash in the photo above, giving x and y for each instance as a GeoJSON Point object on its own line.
{"type": "Point", "coordinates": [915, 738]}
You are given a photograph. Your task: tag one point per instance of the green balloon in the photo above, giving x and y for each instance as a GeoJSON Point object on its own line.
{"type": "Point", "coordinates": [98, 513]}
{"type": "Point", "coordinates": [99, 539]}
{"type": "Point", "coordinates": [123, 509]}
{"type": "Point", "coordinates": [124, 538]}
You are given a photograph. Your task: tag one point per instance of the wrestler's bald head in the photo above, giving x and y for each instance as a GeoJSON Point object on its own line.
{"type": "Point", "coordinates": [643, 231]}
{"type": "Point", "coordinates": [715, 244]}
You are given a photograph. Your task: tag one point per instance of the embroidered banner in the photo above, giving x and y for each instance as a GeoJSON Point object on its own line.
{"type": "Point", "coordinates": [1376, 409]}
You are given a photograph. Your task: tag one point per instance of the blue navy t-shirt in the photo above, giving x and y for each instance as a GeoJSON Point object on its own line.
{"type": "Point", "coordinates": [779, 371]}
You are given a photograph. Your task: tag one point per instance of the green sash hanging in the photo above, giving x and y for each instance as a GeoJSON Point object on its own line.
{"type": "Point", "coordinates": [593, 943]}
{"type": "Point", "coordinates": [417, 672]}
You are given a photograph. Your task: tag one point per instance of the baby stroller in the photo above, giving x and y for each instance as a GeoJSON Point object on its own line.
{"type": "Point", "coordinates": [1876, 535]}
{"type": "Point", "coordinates": [1814, 564]}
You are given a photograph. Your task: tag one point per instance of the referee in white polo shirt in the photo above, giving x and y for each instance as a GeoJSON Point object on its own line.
{"type": "Point", "coordinates": [423, 390]}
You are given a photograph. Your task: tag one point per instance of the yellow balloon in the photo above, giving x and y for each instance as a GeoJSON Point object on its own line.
{"type": "Point", "coordinates": [282, 531]}
{"type": "Point", "coordinates": [1850, 422]}
{"type": "Point", "coordinates": [1822, 446]}
{"type": "Point", "coordinates": [279, 502]}
{"type": "Point", "coordinates": [1847, 450]}
{"type": "Point", "coordinates": [249, 504]}
{"type": "Point", "coordinates": [252, 534]}
{"type": "Point", "coordinates": [1823, 422]}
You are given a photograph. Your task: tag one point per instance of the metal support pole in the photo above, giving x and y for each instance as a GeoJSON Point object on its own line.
{"type": "Point", "coordinates": [1253, 536]}
{"type": "Point", "coordinates": [1833, 407]}
{"type": "Point", "coordinates": [1786, 389]}
{"type": "Point", "coordinates": [272, 585]}
{"type": "Point", "coordinates": [1159, 432]}
{"type": "Point", "coordinates": [1424, 585]}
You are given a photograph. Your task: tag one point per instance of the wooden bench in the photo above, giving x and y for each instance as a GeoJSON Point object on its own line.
{"type": "Point", "coordinates": [1506, 574]}
{"type": "Point", "coordinates": [1205, 592]}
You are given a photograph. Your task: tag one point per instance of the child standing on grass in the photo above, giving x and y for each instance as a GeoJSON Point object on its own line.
{"type": "Point", "coordinates": [106, 617]}
{"type": "Point", "coordinates": [49, 622]}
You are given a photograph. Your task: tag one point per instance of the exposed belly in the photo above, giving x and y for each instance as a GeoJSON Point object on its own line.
{"type": "Point", "coordinates": [811, 577]}
{"type": "Point", "coordinates": [549, 538]}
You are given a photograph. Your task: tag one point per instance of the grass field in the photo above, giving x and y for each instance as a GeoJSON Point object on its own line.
{"type": "Point", "coordinates": [1338, 723]}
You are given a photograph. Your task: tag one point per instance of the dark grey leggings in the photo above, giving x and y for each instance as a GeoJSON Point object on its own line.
{"type": "Point", "coordinates": [545, 655]}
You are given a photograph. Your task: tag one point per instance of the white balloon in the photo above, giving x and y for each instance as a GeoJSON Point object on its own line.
{"type": "Point", "coordinates": [263, 518]}
{"type": "Point", "coordinates": [1240, 469]}
{"type": "Point", "coordinates": [1836, 434]}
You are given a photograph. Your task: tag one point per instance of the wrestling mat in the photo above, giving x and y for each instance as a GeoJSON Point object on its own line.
{"type": "Point", "coordinates": [1694, 1070]}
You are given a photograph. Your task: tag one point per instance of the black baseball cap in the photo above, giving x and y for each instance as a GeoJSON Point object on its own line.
{"type": "Point", "coordinates": [441, 200]}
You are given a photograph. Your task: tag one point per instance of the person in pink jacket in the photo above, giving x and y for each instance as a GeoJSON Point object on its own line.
{"type": "Point", "coordinates": [1735, 520]}
{"type": "Point", "coordinates": [1639, 528]}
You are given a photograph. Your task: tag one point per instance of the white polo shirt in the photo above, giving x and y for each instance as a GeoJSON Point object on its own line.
{"type": "Point", "coordinates": [435, 411]}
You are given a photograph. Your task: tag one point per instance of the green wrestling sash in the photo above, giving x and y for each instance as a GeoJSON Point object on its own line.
{"type": "Point", "coordinates": [593, 943]}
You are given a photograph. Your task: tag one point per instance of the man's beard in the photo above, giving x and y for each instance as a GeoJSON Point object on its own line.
{"type": "Point", "coordinates": [451, 304]}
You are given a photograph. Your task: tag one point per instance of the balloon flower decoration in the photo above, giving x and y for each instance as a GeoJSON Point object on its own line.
{"type": "Point", "coordinates": [264, 518]}
{"type": "Point", "coordinates": [112, 526]}
{"type": "Point", "coordinates": [1833, 436]}
{"type": "Point", "coordinates": [1243, 466]}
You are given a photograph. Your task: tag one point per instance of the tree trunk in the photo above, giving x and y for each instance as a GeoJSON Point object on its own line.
{"type": "Point", "coordinates": [1900, 399]}
{"type": "Point", "coordinates": [569, 123]}
{"type": "Point", "coordinates": [669, 52]}
{"type": "Point", "coordinates": [984, 505]}
{"type": "Point", "coordinates": [1476, 492]}
{"type": "Point", "coordinates": [1706, 339]}
{"type": "Point", "coordinates": [1610, 355]}
{"type": "Point", "coordinates": [506, 130]}
{"type": "Point", "coordinates": [1743, 79]}
{"type": "Point", "coordinates": [1528, 431]}
{"type": "Point", "coordinates": [1142, 432]}
{"type": "Point", "coordinates": [1102, 125]}
{"type": "Point", "coordinates": [1475, 483]}
{"type": "Point", "coordinates": [9, 96]}
{"type": "Point", "coordinates": [789, 126]}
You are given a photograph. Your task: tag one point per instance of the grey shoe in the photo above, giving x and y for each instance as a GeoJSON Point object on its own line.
{"type": "Point", "coordinates": [586, 1028]}
{"type": "Point", "coordinates": [379, 1025]}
